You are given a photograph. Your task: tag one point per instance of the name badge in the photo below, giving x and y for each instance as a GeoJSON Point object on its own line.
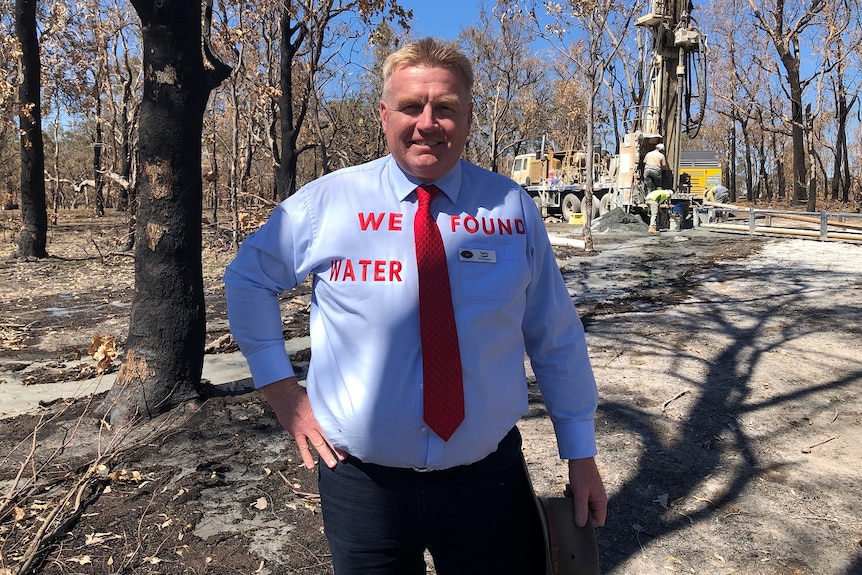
{"type": "Point", "coordinates": [479, 256]}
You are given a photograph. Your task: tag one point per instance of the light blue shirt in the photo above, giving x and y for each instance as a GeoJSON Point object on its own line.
{"type": "Point", "coordinates": [352, 231]}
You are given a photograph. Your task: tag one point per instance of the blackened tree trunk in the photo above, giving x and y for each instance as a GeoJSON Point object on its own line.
{"type": "Point", "coordinates": [292, 37]}
{"type": "Point", "coordinates": [128, 200]}
{"type": "Point", "coordinates": [164, 350]}
{"type": "Point", "coordinates": [33, 239]}
{"type": "Point", "coordinates": [127, 122]}
{"type": "Point", "coordinates": [98, 146]}
{"type": "Point", "coordinates": [305, 27]}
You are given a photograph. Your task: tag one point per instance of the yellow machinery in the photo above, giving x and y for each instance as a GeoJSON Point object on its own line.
{"type": "Point", "coordinates": [675, 103]}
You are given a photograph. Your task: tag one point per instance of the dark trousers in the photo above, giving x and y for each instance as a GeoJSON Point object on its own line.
{"type": "Point", "coordinates": [652, 180]}
{"type": "Point", "coordinates": [474, 519]}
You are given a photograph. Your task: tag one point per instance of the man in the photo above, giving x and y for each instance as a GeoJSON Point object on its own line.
{"type": "Point", "coordinates": [718, 194]}
{"type": "Point", "coordinates": [653, 200]}
{"type": "Point", "coordinates": [394, 480]}
{"type": "Point", "coordinates": [654, 165]}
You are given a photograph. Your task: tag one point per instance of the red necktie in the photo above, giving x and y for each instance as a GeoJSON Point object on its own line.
{"type": "Point", "coordinates": [443, 390]}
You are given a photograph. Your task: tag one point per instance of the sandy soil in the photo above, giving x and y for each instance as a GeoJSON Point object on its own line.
{"type": "Point", "coordinates": [729, 372]}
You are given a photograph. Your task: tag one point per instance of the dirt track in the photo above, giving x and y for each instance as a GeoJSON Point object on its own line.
{"type": "Point", "coordinates": [729, 372]}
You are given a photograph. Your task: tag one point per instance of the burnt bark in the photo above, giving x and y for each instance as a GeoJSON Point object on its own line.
{"type": "Point", "coordinates": [126, 127]}
{"type": "Point", "coordinates": [292, 37]}
{"type": "Point", "coordinates": [98, 146]}
{"type": "Point", "coordinates": [167, 328]}
{"type": "Point", "coordinates": [32, 241]}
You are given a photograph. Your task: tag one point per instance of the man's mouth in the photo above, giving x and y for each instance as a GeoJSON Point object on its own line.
{"type": "Point", "coordinates": [429, 143]}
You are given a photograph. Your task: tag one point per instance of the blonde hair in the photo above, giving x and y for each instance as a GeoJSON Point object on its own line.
{"type": "Point", "coordinates": [429, 52]}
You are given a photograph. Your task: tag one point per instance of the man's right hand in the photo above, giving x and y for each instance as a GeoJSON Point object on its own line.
{"type": "Point", "coordinates": [290, 402]}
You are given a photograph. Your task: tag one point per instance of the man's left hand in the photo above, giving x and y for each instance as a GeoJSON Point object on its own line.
{"type": "Point", "coordinates": [590, 499]}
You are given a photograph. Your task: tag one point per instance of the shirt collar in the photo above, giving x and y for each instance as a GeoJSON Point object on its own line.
{"type": "Point", "coordinates": [404, 184]}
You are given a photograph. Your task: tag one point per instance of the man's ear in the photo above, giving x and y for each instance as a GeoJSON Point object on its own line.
{"type": "Point", "coordinates": [383, 113]}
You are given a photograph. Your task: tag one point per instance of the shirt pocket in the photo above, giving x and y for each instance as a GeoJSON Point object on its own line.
{"type": "Point", "coordinates": [492, 272]}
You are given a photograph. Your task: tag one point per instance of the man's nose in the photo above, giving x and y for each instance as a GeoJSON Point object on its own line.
{"type": "Point", "coordinates": [427, 119]}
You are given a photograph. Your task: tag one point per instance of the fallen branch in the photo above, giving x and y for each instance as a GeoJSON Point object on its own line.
{"type": "Point", "coordinates": [674, 398]}
{"type": "Point", "coordinates": [611, 360]}
{"type": "Point", "coordinates": [95, 245]}
{"type": "Point", "coordinates": [104, 256]}
{"type": "Point", "coordinates": [220, 342]}
{"type": "Point", "coordinates": [304, 495]}
{"type": "Point", "coordinates": [43, 538]}
{"type": "Point", "coordinates": [809, 448]}
{"type": "Point", "coordinates": [829, 519]}
{"type": "Point", "coordinates": [21, 488]}
{"type": "Point", "coordinates": [86, 482]}
{"type": "Point", "coordinates": [261, 199]}
{"type": "Point", "coordinates": [124, 254]}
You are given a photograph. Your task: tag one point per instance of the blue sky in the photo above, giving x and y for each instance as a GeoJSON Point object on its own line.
{"type": "Point", "coordinates": [443, 18]}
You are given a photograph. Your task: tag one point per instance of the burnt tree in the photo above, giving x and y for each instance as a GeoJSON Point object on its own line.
{"type": "Point", "coordinates": [305, 29]}
{"type": "Point", "coordinates": [98, 146]}
{"type": "Point", "coordinates": [32, 241]}
{"type": "Point", "coordinates": [164, 350]}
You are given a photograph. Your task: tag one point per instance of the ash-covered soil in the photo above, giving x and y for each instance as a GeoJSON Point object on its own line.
{"type": "Point", "coordinates": [729, 372]}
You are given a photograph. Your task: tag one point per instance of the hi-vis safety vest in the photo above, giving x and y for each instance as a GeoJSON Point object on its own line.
{"type": "Point", "coordinates": [659, 195]}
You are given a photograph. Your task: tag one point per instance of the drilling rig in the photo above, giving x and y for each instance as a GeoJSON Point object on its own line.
{"type": "Point", "coordinates": [674, 103]}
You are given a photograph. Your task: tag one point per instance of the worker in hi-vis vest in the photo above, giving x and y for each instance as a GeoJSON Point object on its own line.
{"type": "Point", "coordinates": [653, 200]}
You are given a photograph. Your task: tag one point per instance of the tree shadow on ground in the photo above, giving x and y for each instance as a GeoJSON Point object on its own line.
{"type": "Point", "coordinates": [664, 494]}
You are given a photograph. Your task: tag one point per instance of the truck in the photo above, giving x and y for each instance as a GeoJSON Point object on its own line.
{"type": "Point", "coordinates": [556, 179]}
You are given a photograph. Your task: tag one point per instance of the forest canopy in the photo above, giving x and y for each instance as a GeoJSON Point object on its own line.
{"type": "Point", "coordinates": [529, 86]}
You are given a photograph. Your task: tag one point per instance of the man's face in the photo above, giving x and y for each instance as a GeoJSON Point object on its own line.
{"type": "Point", "coordinates": [426, 114]}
